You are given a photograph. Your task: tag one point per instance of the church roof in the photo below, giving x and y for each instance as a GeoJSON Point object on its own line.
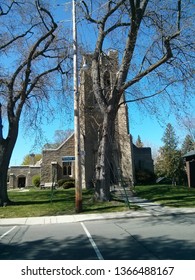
{"type": "Point", "coordinates": [189, 154]}
{"type": "Point", "coordinates": [60, 146]}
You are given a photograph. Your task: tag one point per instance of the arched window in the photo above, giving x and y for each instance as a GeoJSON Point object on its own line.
{"type": "Point", "coordinates": [67, 168]}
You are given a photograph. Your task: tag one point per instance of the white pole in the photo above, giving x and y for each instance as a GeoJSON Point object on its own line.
{"type": "Point", "coordinates": [78, 185]}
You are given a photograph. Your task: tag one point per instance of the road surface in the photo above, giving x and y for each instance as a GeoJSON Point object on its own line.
{"type": "Point", "coordinates": [150, 238]}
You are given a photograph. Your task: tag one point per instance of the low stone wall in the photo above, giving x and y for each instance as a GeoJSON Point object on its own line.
{"type": "Point", "coordinates": [21, 176]}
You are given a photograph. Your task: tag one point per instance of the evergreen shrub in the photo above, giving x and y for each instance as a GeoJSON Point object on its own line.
{"type": "Point", "coordinates": [66, 183]}
{"type": "Point", "coordinates": [36, 181]}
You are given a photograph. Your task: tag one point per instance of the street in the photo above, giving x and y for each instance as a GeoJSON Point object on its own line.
{"type": "Point", "coordinates": [151, 238]}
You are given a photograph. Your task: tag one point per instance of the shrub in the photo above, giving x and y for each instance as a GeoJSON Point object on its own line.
{"type": "Point", "coordinates": [63, 182]}
{"type": "Point", "coordinates": [144, 177]}
{"type": "Point", "coordinates": [68, 184]}
{"type": "Point", "coordinates": [36, 181]}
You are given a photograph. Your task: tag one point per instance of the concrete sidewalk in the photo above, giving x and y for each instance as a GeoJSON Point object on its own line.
{"type": "Point", "coordinates": [156, 209]}
{"type": "Point", "coordinates": [148, 209]}
{"type": "Point", "coordinates": [72, 218]}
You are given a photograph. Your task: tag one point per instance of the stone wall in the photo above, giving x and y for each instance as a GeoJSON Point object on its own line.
{"type": "Point", "coordinates": [143, 159]}
{"type": "Point", "coordinates": [52, 163]}
{"type": "Point", "coordinates": [125, 145]}
{"type": "Point", "coordinates": [21, 176]}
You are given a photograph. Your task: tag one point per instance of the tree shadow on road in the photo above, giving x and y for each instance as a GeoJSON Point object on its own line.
{"type": "Point", "coordinates": [133, 247]}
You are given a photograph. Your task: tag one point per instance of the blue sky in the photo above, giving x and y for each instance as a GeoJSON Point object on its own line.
{"type": "Point", "coordinates": [146, 126]}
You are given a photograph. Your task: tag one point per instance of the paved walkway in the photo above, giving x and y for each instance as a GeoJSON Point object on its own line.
{"type": "Point", "coordinates": [148, 209]}
{"type": "Point", "coordinates": [156, 209]}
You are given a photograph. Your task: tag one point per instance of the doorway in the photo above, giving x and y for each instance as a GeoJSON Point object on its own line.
{"type": "Point", "coordinates": [22, 182]}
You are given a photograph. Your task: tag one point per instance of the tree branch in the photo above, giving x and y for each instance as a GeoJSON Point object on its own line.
{"type": "Point", "coordinates": [111, 11]}
{"type": "Point", "coordinates": [39, 8]}
{"type": "Point", "coordinates": [87, 14]}
{"type": "Point", "coordinates": [115, 26]}
{"type": "Point", "coordinates": [2, 13]}
{"type": "Point", "coordinates": [146, 97]}
{"type": "Point", "coordinates": [137, 17]}
{"type": "Point", "coordinates": [165, 58]}
{"type": "Point", "coordinates": [18, 37]}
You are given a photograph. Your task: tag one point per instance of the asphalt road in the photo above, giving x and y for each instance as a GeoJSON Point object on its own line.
{"type": "Point", "coordinates": [149, 238]}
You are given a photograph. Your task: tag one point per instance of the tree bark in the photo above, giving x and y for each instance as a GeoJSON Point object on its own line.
{"type": "Point", "coordinates": [4, 200]}
{"type": "Point", "coordinates": [104, 158]}
{"type": "Point", "coordinates": [6, 149]}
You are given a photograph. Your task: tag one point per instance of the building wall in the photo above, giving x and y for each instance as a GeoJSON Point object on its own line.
{"type": "Point", "coordinates": [21, 176]}
{"type": "Point", "coordinates": [90, 120]}
{"type": "Point", "coordinates": [143, 159]}
{"type": "Point", "coordinates": [125, 145]}
{"type": "Point", "coordinates": [52, 161]}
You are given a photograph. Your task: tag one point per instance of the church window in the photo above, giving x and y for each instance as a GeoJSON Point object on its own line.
{"type": "Point", "coordinates": [67, 168]}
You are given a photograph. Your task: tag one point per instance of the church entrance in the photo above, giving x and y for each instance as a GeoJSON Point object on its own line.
{"type": "Point", "coordinates": [21, 182]}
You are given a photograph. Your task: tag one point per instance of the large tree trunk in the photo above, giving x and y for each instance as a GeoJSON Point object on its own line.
{"type": "Point", "coordinates": [4, 200]}
{"type": "Point", "coordinates": [108, 108]}
{"type": "Point", "coordinates": [104, 159]}
{"type": "Point", "coordinates": [6, 149]}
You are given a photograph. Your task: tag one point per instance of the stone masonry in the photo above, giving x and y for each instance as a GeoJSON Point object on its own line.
{"type": "Point", "coordinates": [53, 160]}
{"type": "Point", "coordinates": [22, 176]}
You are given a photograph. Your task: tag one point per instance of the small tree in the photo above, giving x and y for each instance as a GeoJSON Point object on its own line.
{"type": "Point", "coordinates": [59, 137]}
{"type": "Point", "coordinates": [36, 180]}
{"type": "Point", "coordinates": [169, 162]}
{"type": "Point", "coordinates": [170, 139]}
{"type": "Point", "coordinates": [31, 159]}
{"type": "Point", "coordinates": [188, 144]}
{"type": "Point", "coordinates": [139, 142]}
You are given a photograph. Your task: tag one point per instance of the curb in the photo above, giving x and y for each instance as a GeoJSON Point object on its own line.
{"type": "Point", "coordinates": [72, 218]}
{"type": "Point", "coordinates": [93, 217]}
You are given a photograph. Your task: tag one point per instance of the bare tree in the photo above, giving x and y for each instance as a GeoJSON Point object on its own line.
{"type": "Point", "coordinates": [59, 137]}
{"type": "Point", "coordinates": [139, 142]}
{"type": "Point", "coordinates": [189, 124]}
{"type": "Point", "coordinates": [155, 41]}
{"type": "Point", "coordinates": [33, 53]}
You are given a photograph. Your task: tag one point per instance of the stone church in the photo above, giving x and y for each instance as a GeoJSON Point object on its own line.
{"type": "Point", "coordinates": [58, 163]}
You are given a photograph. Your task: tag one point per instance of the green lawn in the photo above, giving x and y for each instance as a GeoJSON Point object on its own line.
{"type": "Point", "coordinates": [174, 196]}
{"type": "Point", "coordinates": [36, 202]}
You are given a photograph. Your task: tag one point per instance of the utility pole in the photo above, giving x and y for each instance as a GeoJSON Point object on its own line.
{"type": "Point", "coordinates": [78, 185]}
{"type": "Point", "coordinates": [1, 126]}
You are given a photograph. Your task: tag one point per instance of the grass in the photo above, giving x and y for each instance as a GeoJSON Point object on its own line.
{"type": "Point", "coordinates": [36, 202]}
{"type": "Point", "coordinates": [173, 196]}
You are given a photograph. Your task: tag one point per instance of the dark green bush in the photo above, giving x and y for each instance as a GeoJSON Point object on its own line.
{"type": "Point", "coordinates": [61, 182]}
{"type": "Point", "coordinates": [68, 184]}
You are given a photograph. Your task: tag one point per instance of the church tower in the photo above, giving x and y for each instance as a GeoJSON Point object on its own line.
{"type": "Point", "coordinates": [91, 120]}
